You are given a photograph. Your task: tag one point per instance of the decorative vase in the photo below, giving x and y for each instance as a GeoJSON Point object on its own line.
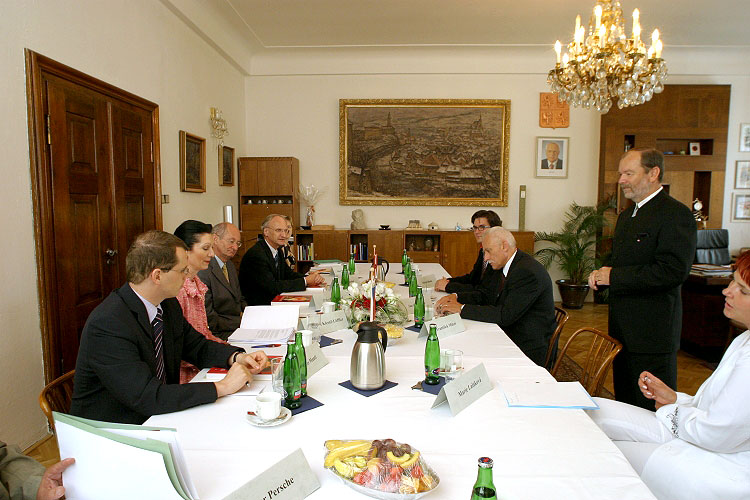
{"type": "Point", "coordinates": [572, 295]}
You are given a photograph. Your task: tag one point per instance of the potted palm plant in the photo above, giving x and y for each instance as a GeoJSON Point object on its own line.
{"type": "Point", "coordinates": [573, 249]}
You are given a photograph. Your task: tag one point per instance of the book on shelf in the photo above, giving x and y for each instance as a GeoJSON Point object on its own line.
{"type": "Point", "coordinates": [711, 270]}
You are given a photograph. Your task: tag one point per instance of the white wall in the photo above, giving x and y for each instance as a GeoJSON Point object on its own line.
{"type": "Point", "coordinates": [139, 46]}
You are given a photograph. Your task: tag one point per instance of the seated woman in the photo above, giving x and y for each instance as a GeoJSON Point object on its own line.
{"type": "Point", "coordinates": [192, 295]}
{"type": "Point", "coordinates": [699, 446]}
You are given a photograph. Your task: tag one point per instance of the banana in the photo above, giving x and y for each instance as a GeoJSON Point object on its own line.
{"type": "Point", "coordinates": [345, 470]}
{"type": "Point", "coordinates": [347, 449]}
{"type": "Point", "coordinates": [411, 461]}
{"type": "Point", "coordinates": [397, 460]}
{"type": "Point", "coordinates": [333, 443]}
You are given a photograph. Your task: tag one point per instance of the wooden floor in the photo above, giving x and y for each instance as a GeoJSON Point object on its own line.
{"type": "Point", "coordinates": [691, 371]}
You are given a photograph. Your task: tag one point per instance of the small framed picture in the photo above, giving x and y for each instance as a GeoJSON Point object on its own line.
{"type": "Point", "coordinates": [740, 207]}
{"type": "Point", "coordinates": [744, 137]}
{"type": "Point", "coordinates": [552, 157]}
{"type": "Point", "coordinates": [226, 166]}
{"type": "Point", "coordinates": [192, 163]}
{"type": "Point", "coordinates": [695, 149]}
{"type": "Point", "coordinates": [742, 175]}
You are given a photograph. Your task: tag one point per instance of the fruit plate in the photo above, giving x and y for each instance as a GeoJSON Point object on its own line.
{"type": "Point", "coordinates": [384, 495]}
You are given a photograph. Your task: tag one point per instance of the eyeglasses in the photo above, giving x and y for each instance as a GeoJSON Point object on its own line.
{"type": "Point", "coordinates": [281, 231]}
{"type": "Point", "coordinates": [184, 271]}
{"type": "Point", "coordinates": [479, 228]}
{"type": "Point", "coordinates": [234, 242]}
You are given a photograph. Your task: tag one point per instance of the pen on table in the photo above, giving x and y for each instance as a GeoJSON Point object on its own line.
{"type": "Point", "coordinates": [267, 346]}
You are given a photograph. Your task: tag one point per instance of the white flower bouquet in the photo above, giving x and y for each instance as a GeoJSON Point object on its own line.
{"type": "Point", "coordinates": [388, 307]}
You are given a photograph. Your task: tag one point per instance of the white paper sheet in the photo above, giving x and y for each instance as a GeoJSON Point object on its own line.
{"type": "Point", "coordinates": [519, 393]}
{"type": "Point", "coordinates": [266, 324]}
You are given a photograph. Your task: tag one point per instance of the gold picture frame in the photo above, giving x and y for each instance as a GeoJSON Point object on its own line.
{"type": "Point", "coordinates": [226, 166]}
{"type": "Point", "coordinates": [192, 163]}
{"type": "Point", "coordinates": [451, 152]}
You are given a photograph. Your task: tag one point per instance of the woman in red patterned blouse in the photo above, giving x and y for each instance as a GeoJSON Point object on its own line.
{"type": "Point", "coordinates": [197, 237]}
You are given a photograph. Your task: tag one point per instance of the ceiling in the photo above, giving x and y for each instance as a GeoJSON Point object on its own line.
{"type": "Point", "coordinates": [373, 23]}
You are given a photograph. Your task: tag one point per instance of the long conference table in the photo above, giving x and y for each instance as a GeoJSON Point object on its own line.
{"type": "Point", "coordinates": [539, 453]}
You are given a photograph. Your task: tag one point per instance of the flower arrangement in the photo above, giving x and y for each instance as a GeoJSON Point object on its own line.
{"type": "Point", "coordinates": [388, 307]}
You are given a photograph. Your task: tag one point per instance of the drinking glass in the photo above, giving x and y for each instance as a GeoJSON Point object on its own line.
{"type": "Point", "coordinates": [277, 375]}
{"type": "Point", "coordinates": [451, 363]}
{"type": "Point", "coordinates": [313, 324]}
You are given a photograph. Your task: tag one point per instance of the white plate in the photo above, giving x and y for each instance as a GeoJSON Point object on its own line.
{"type": "Point", "coordinates": [285, 414]}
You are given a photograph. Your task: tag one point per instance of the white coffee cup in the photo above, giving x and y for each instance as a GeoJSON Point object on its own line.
{"type": "Point", "coordinates": [328, 307]}
{"type": "Point", "coordinates": [268, 405]}
{"type": "Point", "coordinates": [307, 336]}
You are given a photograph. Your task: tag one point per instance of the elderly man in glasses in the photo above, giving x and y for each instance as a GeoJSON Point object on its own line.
{"type": "Point", "coordinates": [224, 301]}
{"type": "Point", "coordinates": [263, 272]}
{"type": "Point", "coordinates": [481, 274]}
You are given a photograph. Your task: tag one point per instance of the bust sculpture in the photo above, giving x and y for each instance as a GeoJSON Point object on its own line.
{"type": "Point", "coordinates": [358, 219]}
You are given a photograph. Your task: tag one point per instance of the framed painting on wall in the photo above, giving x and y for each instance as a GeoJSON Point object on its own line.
{"type": "Point", "coordinates": [226, 166]}
{"type": "Point", "coordinates": [192, 163]}
{"type": "Point", "coordinates": [742, 175]}
{"type": "Point", "coordinates": [745, 137]}
{"type": "Point", "coordinates": [424, 152]}
{"type": "Point", "coordinates": [552, 157]}
{"type": "Point", "coordinates": [740, 207]}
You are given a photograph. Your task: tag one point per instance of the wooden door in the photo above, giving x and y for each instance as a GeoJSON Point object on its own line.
{"type": "Point", "coordinates": [331, 245]}
{"type": "Point", "coordinates": [459, 251]}
{"type": "Point", "coordinates": [275, 177]}
{"type": "Point", "coordinates": [390, 244]}
{"type": "Point", "coordinates": [95, 185]}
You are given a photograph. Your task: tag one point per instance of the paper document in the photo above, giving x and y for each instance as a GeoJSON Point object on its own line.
{"type": "Point", "coordinates": [266, 324]}
{"type": "Point", "coordinates": [529, 394]}
{"type": "Point", "coordinates": [138, 459]}
{"type": "Point", "coordinates": [260, 381]}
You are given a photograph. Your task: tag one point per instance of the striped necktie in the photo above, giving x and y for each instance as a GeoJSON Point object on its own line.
{"type": "Point", "coordinates": [226, 273]}
{"type": "Point", "coordinates": [158, 325]}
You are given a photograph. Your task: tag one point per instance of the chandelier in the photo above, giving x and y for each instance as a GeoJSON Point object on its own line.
{"type": "Point", "coordinates": [218, 126]}
{"type": "Point", "coordinates": [602, 65]}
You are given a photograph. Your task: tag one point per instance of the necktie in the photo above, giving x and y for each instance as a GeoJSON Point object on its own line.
{"type": "Point", "coordinates": [635, 210]}
{"type": "Point", "coordinates": [224, 270]}
{"type": "Point", "coordinates": [278, 263]}
{"type": "Point", "coordinates": [158, 325]}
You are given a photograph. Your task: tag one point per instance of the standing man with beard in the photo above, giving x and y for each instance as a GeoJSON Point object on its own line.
{"type": "Point", "coordinates": [653, 249]}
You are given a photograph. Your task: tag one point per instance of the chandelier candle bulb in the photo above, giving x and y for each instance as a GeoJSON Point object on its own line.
{"type": "Point", "coordinates": [657, 49]}
{"type": "Point", "coordinates": [557, 50]}
{"type": "Point", "coordinates": [598, 14]}
{"type": "Point", "coordinates": [578, 24]}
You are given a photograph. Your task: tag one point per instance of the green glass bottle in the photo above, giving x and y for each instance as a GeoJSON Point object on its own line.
{"type": "Point", "coordinates": [432, 357]}
{"type": "Point", "coordinates": [302, 360]}
{"type": "Point", "coordinates": [413, 285]}
{"type": "Point", "coordinates": [345, 277]}
{"type": "Point", "coordinates": [404, 258]}
{"type": "Point", "coordinates": [336, 292]}
{"type": "Point", "coordinates": [352, 267]}
{"type": "Point", "coordinates": [292, 389]}
{"type": "Point", "coordinates": [419, 309]}
{"type": "Point", "coordinates": [407, 271]}
{"type": "Point", "coordinates": [484, 488]}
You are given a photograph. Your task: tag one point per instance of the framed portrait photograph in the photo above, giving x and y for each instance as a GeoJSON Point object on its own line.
{"type": "Point", "coordinates": [742, 175]}
{"type": "Point", "coordinates": [226, 166]}
{"type": "Point", "coordinates": [192, 163]}
{"type": "Point", "coordinates": [552, 157]}
{"type": "Point", "coordinates": [740, 207]}
{"type": "Point", "coordinates": [448, 152]}
{"type": "Point", "coordinates": [745, 137]}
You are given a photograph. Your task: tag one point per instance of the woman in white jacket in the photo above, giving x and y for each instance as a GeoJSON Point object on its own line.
{"type": "Point", "coordinates": [693, 447]}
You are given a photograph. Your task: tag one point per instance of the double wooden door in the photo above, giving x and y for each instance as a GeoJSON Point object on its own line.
{"type": "Point", "coordinates": [96, 187]}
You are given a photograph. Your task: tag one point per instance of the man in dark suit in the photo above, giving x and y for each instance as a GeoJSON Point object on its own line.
{"type": "Point", "coordinates": [482, 273]}
{"type": "Point", "coordinates": [128, 364]}
{"type": "Point", "coordinates": [523, 306]}
{"type": "Point", "coordinates": [553, 161]}
{"type": "Point", "coordinates": [224, 300]}
{"type": "Point", "coordinates": [263, 272]}
{"type": "Point", "coordinates": [653, 249]}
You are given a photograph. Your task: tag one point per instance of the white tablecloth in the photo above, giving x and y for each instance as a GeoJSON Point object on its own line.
{"type": "Point", "coordinates": [538, 453]}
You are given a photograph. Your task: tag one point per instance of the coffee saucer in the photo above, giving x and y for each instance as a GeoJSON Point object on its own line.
{"type": "Point", "coordinates": [285, 415]}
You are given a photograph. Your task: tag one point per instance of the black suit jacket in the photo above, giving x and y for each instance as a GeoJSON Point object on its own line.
{"type": "Point", "coordinates": [524, 308]}
{"type": "Point", "coordinates": [224, 300]}
{"type": "Point", "coordinates": [558, 165]}
{"type": "Point", "coordinates": [488, 279]}
{"type": "Point", "coordinates": [261, 280]}
{"type": "Point", "coordinates": [651, 257]}
{"type": "Point", "coordinates": [115, 376]}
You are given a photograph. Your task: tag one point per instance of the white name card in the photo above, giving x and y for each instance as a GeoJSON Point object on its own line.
{"type": "Point", "coordinates": [315, 359]}
{"type": "Point", "coordinates": [331, 322]}
{"type": "Point", "coordinates": [319, 298]}
{"type": "Point", "coordinates": [290, 479]}
{"type": "Point", "coordinates": [446, 326]}
{"type": "Point", "coordinates": [426, 281]}
{"type": "Point", "coordinates": [466, 389]}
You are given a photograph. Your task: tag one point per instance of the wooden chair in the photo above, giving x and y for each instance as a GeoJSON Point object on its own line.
{"type": "Point", "coordinates": [561, 317]}
{"type": "Point", "coordinates": [56, 396]}
{"type": "Point", "coordinates": [601, 353]}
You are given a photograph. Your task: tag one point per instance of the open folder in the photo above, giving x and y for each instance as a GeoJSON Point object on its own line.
{"type": "Point", "coordinates": [121, 461]}
{"type": "Point", "coordinates": [266, 324]}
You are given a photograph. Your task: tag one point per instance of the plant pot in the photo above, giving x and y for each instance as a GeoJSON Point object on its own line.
{"type": "Point", "coordinates": [573, 296]}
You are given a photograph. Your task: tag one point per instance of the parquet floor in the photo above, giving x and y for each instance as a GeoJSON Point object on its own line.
{"type": "Point", "coordinates": [691, 371]}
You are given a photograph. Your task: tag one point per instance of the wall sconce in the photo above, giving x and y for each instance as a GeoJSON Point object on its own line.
{"type": "Point", "coordinates": [218, 126]}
